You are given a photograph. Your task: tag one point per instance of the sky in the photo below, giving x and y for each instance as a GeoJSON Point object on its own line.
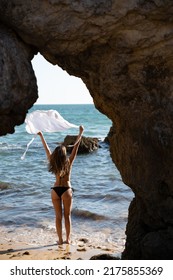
{"type": "Point", "coordinates": [56, 86]}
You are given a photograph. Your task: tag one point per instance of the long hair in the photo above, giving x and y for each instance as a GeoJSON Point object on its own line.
{"type": "Point", "coordinates": [59, 164]}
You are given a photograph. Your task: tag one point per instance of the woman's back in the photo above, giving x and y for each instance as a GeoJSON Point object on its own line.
{"type": "Point", "coordinates": [63, 179]}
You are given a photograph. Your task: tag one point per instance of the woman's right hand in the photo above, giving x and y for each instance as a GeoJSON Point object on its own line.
{"type": "Point", "coordinates": [81, 129]}
{"type": "Point", "coordinates": [39, 133]}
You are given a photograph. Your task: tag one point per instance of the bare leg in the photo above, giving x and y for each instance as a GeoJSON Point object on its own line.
{"type": "Point", "coordinates": [58, 212]}
{"type": "Point", "coordinates": [67, 201]}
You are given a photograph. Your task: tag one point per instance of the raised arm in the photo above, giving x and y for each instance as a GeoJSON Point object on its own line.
{"type": "Point", "coordinates": [46, 147]}
{"type": "Point", "coordinates": [76, 146]}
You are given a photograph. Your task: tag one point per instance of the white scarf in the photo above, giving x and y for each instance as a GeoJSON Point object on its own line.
{"type": "Point", "coordinates": [45, 121]}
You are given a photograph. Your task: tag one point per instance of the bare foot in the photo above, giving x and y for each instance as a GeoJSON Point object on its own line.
{"type": "Point", "coordinates": [60, 242]}
{"type": "Point", "coordinates": [67, 242]}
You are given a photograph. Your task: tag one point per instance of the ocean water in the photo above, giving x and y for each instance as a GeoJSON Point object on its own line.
{"type": "Point", "coordinates": [100, 199]}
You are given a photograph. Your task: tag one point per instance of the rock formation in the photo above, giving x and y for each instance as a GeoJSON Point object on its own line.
{"type": "Point", "coordinates": [104, 257]}
{"type": "Point", "coordinates": [122, 50]}
{"type": "Point", "coordinates": [87, 145]}
{"type": "Point", "coordinates": [18, 89]}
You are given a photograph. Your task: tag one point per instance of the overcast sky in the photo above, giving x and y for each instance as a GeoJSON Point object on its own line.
{"type": "Point", "coordinates": [55, 86]}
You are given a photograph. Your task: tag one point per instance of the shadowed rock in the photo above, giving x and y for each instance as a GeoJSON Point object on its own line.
{"type": "Point", "coordinates": [104, 257]}
{"type": "Point", "coordinates": [18, 89]}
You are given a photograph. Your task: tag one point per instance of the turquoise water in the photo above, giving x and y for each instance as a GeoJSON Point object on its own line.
{"type": "Point", "coordinates": [101, 200]}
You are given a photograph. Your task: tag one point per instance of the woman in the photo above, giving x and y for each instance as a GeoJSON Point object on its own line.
{"type": "Point", "coordinates": [61, 193]}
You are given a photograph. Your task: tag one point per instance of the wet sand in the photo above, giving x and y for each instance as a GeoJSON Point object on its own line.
{"type": "Point", "coordinates": [22, 251]}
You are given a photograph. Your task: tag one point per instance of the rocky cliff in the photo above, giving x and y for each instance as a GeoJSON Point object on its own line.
{"type": "Point", "coordinates": [122, 50]}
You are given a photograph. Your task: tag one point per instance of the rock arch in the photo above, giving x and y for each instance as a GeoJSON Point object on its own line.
{"type": "Point", "coordinates": [122, 50]}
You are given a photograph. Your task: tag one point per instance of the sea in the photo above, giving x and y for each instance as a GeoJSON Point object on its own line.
{"type": "Point", "coordinates": [100, 198]}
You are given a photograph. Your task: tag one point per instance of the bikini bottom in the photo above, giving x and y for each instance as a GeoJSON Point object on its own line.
{"type": "Point", "coordinates": [60, 190]}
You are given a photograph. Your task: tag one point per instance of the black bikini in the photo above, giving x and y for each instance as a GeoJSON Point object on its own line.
{"type": "Point", "coordinates": [60, 190]}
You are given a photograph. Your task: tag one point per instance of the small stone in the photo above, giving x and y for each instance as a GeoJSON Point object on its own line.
{"type": "Point", "coordinates": [83, 249]}
{"type": "Point", "coordinates": [84, 240]}
{"type": "Point", "coordinates": [26, 253]}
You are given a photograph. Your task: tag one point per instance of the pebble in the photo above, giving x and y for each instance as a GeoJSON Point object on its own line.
{"type": "Point", "coordinates": [83, 249]}
{"type": "Point", "coordinates": [26, 253]}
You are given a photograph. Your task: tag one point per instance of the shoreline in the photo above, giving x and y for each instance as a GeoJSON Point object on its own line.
{"type": "Point", "coordinates": [23, 251]}
{"type": "Point", "coordinates": [26, 243]}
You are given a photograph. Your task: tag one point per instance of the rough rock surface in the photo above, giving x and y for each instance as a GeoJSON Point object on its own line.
{"type": "Point", "coordinates": [18, 89]}
{"type": "Point", "coordinates": [87, 145]}
{"type": "Point", "coordinates": [104, 257]}
{"type": "Point", "coordinates": [122, 50]}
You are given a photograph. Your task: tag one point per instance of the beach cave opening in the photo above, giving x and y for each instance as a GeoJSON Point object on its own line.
{"type": "Point", "coordinates": [62, 90]}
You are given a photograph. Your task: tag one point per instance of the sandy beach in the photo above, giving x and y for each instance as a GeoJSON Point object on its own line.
{"type": "Point", "coordinates": [83, 250]}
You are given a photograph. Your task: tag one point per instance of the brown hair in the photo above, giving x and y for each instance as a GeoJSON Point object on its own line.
{"type": "Point", "coordinates": [59, 164]}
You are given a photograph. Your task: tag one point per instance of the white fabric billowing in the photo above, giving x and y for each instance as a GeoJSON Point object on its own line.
{"type": "Point", "coordinates": [27, 147]}
{"type": "Point", "coordinates": [46, 121]}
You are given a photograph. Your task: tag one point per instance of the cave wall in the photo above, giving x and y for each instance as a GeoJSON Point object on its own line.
{"type": "Point", "coordinates": [122, 50]}
{"type": "Point", "coordinates": [18, 88]}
